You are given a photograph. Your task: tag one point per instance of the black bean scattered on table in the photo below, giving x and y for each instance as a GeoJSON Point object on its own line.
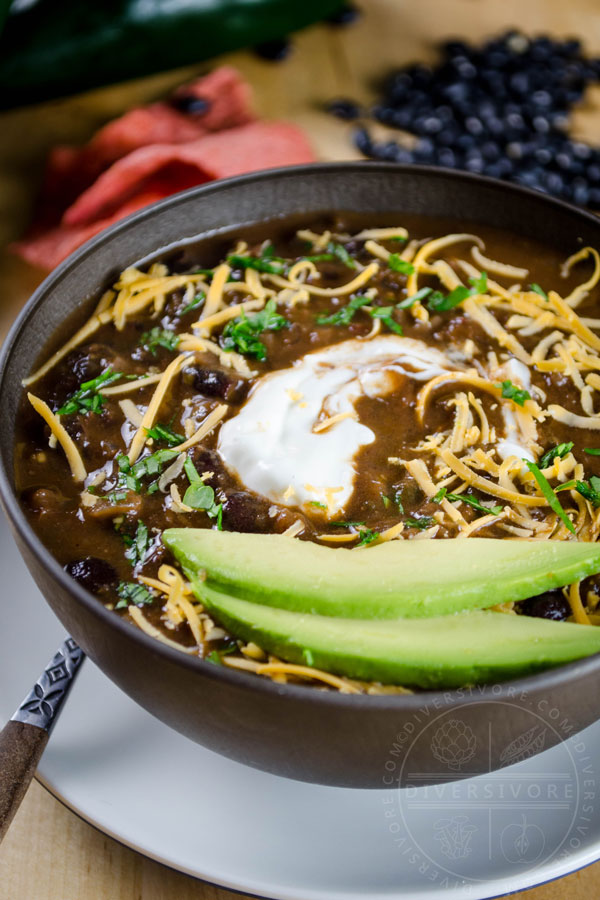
{"type": "Point", "coordinates": [499, 109]}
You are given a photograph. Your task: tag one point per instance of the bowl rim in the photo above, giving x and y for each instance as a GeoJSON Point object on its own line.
{"type": "Point", "coordinates": [527, 685]}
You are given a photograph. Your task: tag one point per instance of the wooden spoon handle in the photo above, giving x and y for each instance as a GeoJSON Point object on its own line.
{"type": "Point", "coordinates": [21, 747]}
{"type": "Point", "coordinates": [23, 739]}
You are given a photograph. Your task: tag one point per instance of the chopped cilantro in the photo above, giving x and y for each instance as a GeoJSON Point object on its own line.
{"type": "Point", "coordinates": [511, 392]}
{"type": "Point", "coordinates": [398, 237]}
{"type": "Point", "coordinates": [567, 486]}
{"type": "Point", "coordinates": [480, 284]}
{"type": "Point", "coordinates": [346, 524]}
{"type": "Point", "coordinates": [415, 298]}
{"type": "Point", "coordinates": [397, 264]}
{"type": "Point", "coordinates": [385, 314]}
{"type": "Point", "coordinates": [241, 333]}
{"type": "Point", "coordinates": [166, 434]}
{"type": "Point", "coordinates": [320, 257]}
{"type": "Point", "coordinates": [159, 337]}
{"type": "Point", "coordinates": [367, 536]}
{"type": "Point", "coordinates": [386, 501]}
{"type": "Point", "coordinates": [340, 252]}
{"type": "Point", "coordinates": [316, 503]}
{"type": "Point", "coordinates": [437, 498]}
{"type": "Point", "coordinates": [261, 263]}
{"type": "Point", "coordinates": [208, 272]}
{"type": "Point", "coordinates": [476, 504]}
{"type": "Point", "coordinates": [549, 456]}
{"type": "Point", "coordinates": [344, 315]}
{"type": "Point", "coordinates": [553, 501]}
{"type": "Point", "coordinates": [439, 302]}
{"type": "Point", "coordinates": [421, 523]}
{"type": "Point", "coordinates": [398, 502]}
{"type": "Point", "coordinates": [88, 398]}
{"type": "Point", "coordinates": [137, 547]}
{"type": "Point", "coordinates": [590, 490]}
{"type": "Point", "coordinates": [152, 465]}
{"type": "Point", "coordinates": [593, 451]}
{"type": "Point", "coordinates": [127, 479]}
{"type": "Point", "coordinates": [215, 655]}
{"type": "Point", "coordinates": [197, 301]}
{"type": "Point", "coordinates": [200, 495]}
{"type": "Point", "coordinates": [132, 593]}
{"type": "Point", "coordinates": [538, 290]}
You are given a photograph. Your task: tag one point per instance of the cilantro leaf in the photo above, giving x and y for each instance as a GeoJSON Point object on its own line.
{"type": "Point", "coordinates": [138, 546]}
{"type": "Point", "coordinates": [152, 464]}
{"type": "Point", "coordinates": [159, 337]}
{"type": "Point", "coordinates": [590, 490]}
{"type": "Point", "coordinates": [165, 433]}
{"type": "Point", "coordinates": [438, 302]}
{"type": "Point", "coordinates": [317, 504]}
{"type": "Point", "coordinates": [131, 592]}
{"type": "Point", "coordinates": [241, 333]}
{"type": "Point", "coordinates": [386, 501]}
{"type": "Point", "coordinates": [437, 498]}
{"type": "Point", "coordinates": [340, 252]}
{"type": "Point", "coordinates": [480, 284]}
{"type": "Point", "coordinates": [367, 536]}
{"type": "Point", "coordinates": [511, 392]}
{"type": "Point", "coordinates": [415, 298]}
{"type": "Point", "coordinates": [538, 290]}
{"type": "Point", "coordinates": [320, 257]}
{"type": "Point", "coordinates": [126, 479]}
{"type": "Point", "coordinates": [385, 314]}
{"type": "Point", "coordinates": [267, 264]}
{"type": "Point", "coordinates": [553, 501]}
{"type": "Point", "coordinates": [561, 450]}
{"type": "Point", "coordinates": [197, 301]}
{"type": "Point", "coordinates": [344, 315]}
{"type": "Point", "coordinates": [421, 523]}
{"type": "Point", "coordinates": [475, 503]}
{"type": "Point", "coordinates": [88, 398]}
{"type": "Point", "coordinates": [200, 495]}
{"type": "Point", "coordinates": [397, 264]}
{"type": "Point", "coordinates": [398, 501]}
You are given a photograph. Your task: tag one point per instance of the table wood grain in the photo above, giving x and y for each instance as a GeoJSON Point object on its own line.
{"type": "Point", "coordinates": [50, 853]}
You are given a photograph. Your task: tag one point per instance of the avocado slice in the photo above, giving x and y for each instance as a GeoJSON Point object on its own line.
{"type": "Point", "coordinates": [409, 579]}
{"type": "Point", "coordinates": [479, 646]}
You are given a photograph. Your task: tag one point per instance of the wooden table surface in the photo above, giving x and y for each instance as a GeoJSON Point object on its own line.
{"type": "Point", "coordinates": [49, 853]}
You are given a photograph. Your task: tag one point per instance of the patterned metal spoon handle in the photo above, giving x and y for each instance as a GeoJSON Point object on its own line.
{"type": "Point", "coordinates": [23, 739]}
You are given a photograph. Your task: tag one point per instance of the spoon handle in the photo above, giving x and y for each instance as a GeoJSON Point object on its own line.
{"type": "Point", "coordinates": [23, 739]}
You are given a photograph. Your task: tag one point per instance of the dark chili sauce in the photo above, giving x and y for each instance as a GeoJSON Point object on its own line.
{"type": "Point", "coordinates": [92, 541]}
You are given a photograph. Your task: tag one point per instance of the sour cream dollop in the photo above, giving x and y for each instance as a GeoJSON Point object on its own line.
{"type": "Point", "coordinates": [271, 445]}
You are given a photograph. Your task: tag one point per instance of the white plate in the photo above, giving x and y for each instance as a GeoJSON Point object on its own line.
{"type": "Point", "coordinates": [157, 792]}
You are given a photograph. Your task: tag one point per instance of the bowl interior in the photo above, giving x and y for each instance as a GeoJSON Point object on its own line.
{"type": "Point", "coordinates": [361, 187]}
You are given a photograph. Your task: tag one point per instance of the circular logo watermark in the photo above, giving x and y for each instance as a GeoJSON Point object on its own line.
{"type": "Point", "coordinates": [466, 804]}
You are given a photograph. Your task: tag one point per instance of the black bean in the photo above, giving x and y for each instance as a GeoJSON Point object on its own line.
{"type": "Point", "coordinates": [219, 383]}
{"type": "Point", "coordinates": [188, 103]}
{"type": "Point", "coordinates": [274, 51]}
{"type": "Point", "coordinates": [92, 573]}
{"type": "Point", "coordinates": [346, 15]}
{"type": "Point", "coordinates": [501, 108]}
{"type": "Point", "coordinates": [243, 511]}
{"type": "Point", "coordinates": [550, 605]}
{"type": "Point", "coordinates": [344, 109]}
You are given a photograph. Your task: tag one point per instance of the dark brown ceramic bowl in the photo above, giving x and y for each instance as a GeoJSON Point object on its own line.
{"type": "Point", "coordinates": [295, 731]}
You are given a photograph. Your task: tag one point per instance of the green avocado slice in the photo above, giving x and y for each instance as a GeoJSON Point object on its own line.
{"type": "Point", "coordinates": [410, 579]}
{"type": "Point", "coordinates": [442, 652]}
